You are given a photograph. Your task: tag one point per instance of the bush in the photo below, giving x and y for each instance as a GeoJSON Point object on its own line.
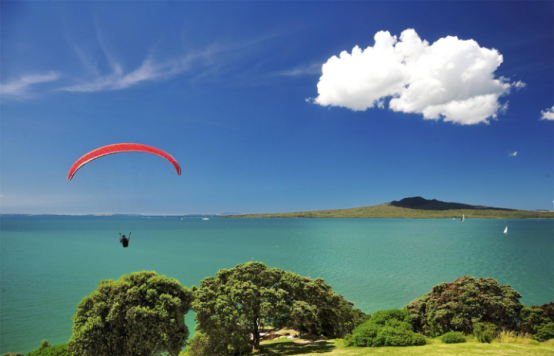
{"type": "Point", "coordinates": [12, 354]}
{"type": "Point", "coordinates": [385, 328]}
{"type": "Point", "coordinates": [484, 333]}
{"type": "Point", "coordinates": [453, 337]}
{"type": "Point", "coordinates": [45, 349]}
{"type": "Point", "coordinates": [44, 344]}
{"type": "Point", "coordinates": [458, 305]}
{"type": "Point", "coordinates": [139, 314]}
{"type": "Point", "coordinates": [544, 332]}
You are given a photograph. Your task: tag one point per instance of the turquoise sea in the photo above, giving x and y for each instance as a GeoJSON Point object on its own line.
{"type": "Point", "coordinates": [48, 264]}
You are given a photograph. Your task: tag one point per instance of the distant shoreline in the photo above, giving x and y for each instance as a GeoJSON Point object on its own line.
{"type": "Point", "coordinates": [413, 208]}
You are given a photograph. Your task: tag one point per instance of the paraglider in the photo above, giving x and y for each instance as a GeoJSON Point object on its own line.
{"type": "Point", "coordinates": [118, 148]}
{"type": "Point", "coordinates": [123, 240]}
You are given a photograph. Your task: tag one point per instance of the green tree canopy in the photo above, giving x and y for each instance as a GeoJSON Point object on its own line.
{"type": "Point", "coordinates": [141, 314]}
{"type": "Point", "coordinates": [236, 304]}
{"type": "Point", "coordinates": [457, 306]}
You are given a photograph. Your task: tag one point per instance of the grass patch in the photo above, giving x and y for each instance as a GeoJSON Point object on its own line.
{"type": "Point", "coordinates": [510, 337]}
{"type": "Point", "coordinates": [435, 347]}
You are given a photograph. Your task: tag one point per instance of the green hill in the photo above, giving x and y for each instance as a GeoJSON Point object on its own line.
{"type": "Point", "coordinates": [413, 208]}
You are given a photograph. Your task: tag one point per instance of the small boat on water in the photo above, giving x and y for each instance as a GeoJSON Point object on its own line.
{"type": "Point", "coordinates": [506, 230]}
{"type": "Point", "coordinates": [205, 219]}
{"type": "Point", "coordinates": [463, 217]}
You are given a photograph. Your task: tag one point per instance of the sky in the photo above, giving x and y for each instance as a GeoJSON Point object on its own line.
{"type": "Point", "coordinates": [275, 106]}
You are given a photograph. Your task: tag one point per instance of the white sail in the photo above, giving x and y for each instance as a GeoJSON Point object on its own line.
{"type": "Point", "coordinates": [506, 230]}
{"type": "Point", "coordinates": [463, 217]}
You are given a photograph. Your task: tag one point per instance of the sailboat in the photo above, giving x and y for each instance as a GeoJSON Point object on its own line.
{"type": "Point", "coordinates": [463, 217]}
{"type": "Point", "coordinates": [506, 230]}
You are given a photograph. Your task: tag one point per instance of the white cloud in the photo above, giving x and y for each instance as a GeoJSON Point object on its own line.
{"type": "Point", "coordinates": [513, 154]}
{"type": "Point", "coordinates": [20, 86]}
{"type": "Point", "coordinates": [548, 114]}
{"type": "Point", "coordinates": [451, 79]}
{"type": "Point", "coordinates": [519, 85]}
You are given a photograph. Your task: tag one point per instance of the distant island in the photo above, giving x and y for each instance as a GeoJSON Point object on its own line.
{"type": "Point", "coordinates": [413, 208]}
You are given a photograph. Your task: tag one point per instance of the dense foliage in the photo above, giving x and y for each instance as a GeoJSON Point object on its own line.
{"type": "Point", "coordinates": [539, 321]}
{"type": "Point", "coordinates": [548, 310]}
{"type": "Point", "coordinates": [45, 349]}
{"type": "Point", "coordinates": [484, 332]}
{"type": "Point", "coordinates": [50, 350]}
{"type": "Point", "coordinates": [140, 314]}
{"type": "Point", "coordinates": [385, 328]}
{"type": "Point", "coordinates": [314, 308]}
{"type": "Point", "coordinates": [237, 303]}
{"type": "Point", "coordinates": [457, 306]}
{"type": "Point", "coordinates": [453, 337]}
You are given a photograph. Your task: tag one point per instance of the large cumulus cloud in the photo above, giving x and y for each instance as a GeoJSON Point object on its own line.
{"type": "Point", "coordinates": [451, 79]}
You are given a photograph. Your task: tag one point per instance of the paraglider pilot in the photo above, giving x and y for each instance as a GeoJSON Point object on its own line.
{"type": "Point", "coordinates": [123, 240]}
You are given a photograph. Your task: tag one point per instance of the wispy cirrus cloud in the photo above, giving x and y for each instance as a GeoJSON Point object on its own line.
{"type": "Point", "coordinates": [311, 69]}
{"type": "Point", "coordinates": [20, 87]}
{"type": "Point", "coordinates": [150, 70]}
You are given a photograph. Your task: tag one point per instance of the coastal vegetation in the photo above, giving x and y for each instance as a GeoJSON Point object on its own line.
{"type": "Point", "coordinates": [386, 328]}
{"type": "Point", "coordinates": [434, 347]}
{"type": "Point", "coordinates": [140, 314]}
{"type": "Point", "coordinates": [253, 309]}
{"type": "Point", "coordinates": [413, 208]}
{"type": "Point", "coordinates": [457, 306]}
{"type": "Point", "coordinates": [235, 305]}
{"type": "Point", "coordinates": [453, 337]}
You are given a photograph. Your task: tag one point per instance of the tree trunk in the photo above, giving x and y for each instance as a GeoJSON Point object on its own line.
{"type": "Point", "coordinates": [256, 336]}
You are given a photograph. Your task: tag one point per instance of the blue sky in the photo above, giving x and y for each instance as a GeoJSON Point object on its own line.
{"type": "Point", "coordinates": [248, 98]}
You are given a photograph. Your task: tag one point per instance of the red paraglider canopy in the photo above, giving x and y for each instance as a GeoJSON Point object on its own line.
{"type": "Point", "coordinates": [118, 148]}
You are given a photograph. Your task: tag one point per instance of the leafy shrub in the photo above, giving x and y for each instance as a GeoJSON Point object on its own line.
{"type": "Point", "coordinates": [545, 332]}
{"type": "Point", "coordinates": [45, 349]}
{"type": "Point", "coordinates": [12, 354]}
{"type": "Point", "coordinates": [453, 337]}
{"type": "Point", "coordinates": [385, 328]}
{"type": "Point", "coordinates": [484, 333]}
{"type": "Point", "coordinates": [458, 305]}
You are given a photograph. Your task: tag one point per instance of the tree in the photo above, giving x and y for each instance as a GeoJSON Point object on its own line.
{"type": "Point", "coordinates": [141, 314]}
{"type": "Point", "coordinates": [316, 309]}
{"type": "Point", "coordinates": [236, 304]}
{"type": "Point", "coordinates": [457, 306]}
